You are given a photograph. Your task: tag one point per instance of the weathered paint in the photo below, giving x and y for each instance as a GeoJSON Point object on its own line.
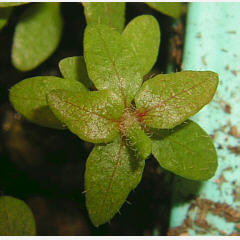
{"type": "Point", "coordinates": [212, 42]}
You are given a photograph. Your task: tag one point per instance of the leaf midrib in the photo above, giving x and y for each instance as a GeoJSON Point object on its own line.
{"type": "Point", "coordinates": [86, 111]}
{"type": "Point", "coordinates": [107, 11]}
{"type": "Point", "coordinates": [174, 96]}
{"type": "Point", "coordinates": [120, 86]}
{"type": "Point", "coordinates": [112, 176]}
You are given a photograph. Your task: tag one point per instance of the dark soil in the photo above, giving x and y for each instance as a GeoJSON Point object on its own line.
{"type": "Point", "coordinates": [45, 167]}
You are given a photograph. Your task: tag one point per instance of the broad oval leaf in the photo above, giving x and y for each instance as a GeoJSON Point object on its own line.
{"type": "Point", "coordinates": [139, 141]}
{"type": "Point", "coordinates": [167, 100]}
{"type": "Point", "coordinates": [109, 13]}
{"type": "Point", "coordinates": [28, 97]}
{"type": "Point", "coordinates": [111, 62]}
{"type": "Point", "coordinates": [74, 68]}
{"type": "Point", "coordinates": [37, 35]}
{"type": "Point", "coordinates": [16, 218]}
{"type": "Point", "coordinates": [186, 150]}
{"type": "Point", "coordinates": [143, 34]}
{"type": "Point", "coordinates": [172, 9]}
{"type": "Point", "coordinates": [112, 171]}
{"type": "Point", "coordinates": [4, 15]}
{"type": "Point", "coordinates": [92, 115]}
{"type": "Point", "coordinates": [11, 4]}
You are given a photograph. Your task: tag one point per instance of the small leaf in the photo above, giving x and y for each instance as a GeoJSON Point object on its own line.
{"type": "Point", "coordinates": [37, 35]}
{"type": "Point", "coordinates": [92, 115]}
{"type": "Point", "coordinates": [29, 98]}
{"type": "Point", "coordinates": [143, 34]}
{"type": "Point", "coordinates": [4, 15]}
{"type": "Point", "coordinates": [74, 68]}
{"type": "Point", "coordinates": [110, 62]}
{"type": "Point", "coordinates": [187, 151]}
{"type": "Point", "coordinates": [11, 4]}
{"type": "Point", "coordinates": [172, 9]}
{"type": "Point", "coordinates": [139, 141]}
{"type": "Point", "coordinates": [16, 218]}
{"type": "Point", "coordinates": [112, 171]}
{"type": "Point", "coordinates": [167, 100]}
{"type": "Point", "coordinates": [109, 13]}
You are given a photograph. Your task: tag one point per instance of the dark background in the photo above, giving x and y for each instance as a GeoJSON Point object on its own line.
{"type": "Point", "coordinates": [45, 167]}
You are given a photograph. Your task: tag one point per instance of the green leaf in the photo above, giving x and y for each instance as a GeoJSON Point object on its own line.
{"type": "Point", "coordinates": [16, 218]}
{"type": "Point", "coordinates": [109, 13]}
{"type": "Point", "coordinates": [172, 9]}
{"type": "Point", "coordinates": [28, 97]}
{"type": "Point", "coordinates": [11, 4]}
{"type": "Point", "coordinates": [167, 100]}
{"type": "Point", "coordinates": [74, 68]}
{"type": "Point", "coordinates": [139, 141]}
{"type": "Point", "coordinates": [143, 34]}
{"type": "Point", "coordinates": [112, 171]}
{"type": "Point", "coordinates": [4, 16]}
{"type": "Point", "coordinates": [187, 151]}
{"type": "Point", "coordinates": [91, 115]}
{"type": "Point", "coordinates": [37, 35]}
{"type": "Point", "coordinates": [111, 62]}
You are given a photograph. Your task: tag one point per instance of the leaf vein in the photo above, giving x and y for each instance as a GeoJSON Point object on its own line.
{"type": "Point", "coordinates": [87, 111]}
{"type": "Point", "coordinates": [119, 156]}
{"type": "Point", "coordinates": [120, 85]}
{"type": "Point", "coordinates": [107, 11]}
{"type": "Point", "coordinates": [174, 96]}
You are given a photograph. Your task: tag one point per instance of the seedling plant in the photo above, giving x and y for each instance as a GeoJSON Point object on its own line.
{"type": "Point", "coordinates": [103, 100]}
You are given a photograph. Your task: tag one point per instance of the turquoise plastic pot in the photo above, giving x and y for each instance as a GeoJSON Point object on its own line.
{"type": "Point", "coordinates": [212, 42]}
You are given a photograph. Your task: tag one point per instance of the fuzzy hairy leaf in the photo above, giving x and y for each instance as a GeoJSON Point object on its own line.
{"type": "Point", "coordinates": [143, 34]}
{"type": "Point", "coordinates": [112, 171]}
{"type": "Point", "coordinates": [4, 15]}
{"type": "Point", "coordinates": [111, 62]}
{"type": "Point", "coordinates": [11, 4]}
{"type": "Point", "coordinates": [92, 115]}
{"type": "Point", "coordinates": [16, 218]}
{"type": "Point", "coordinates": [139, 141]}
{"type": "Point", "coordinates": [28, 97]}
{"type": "Point", "coordinates": [167, 100]}
{"type": "Point", "coordinates": [186, 150]}
{"type": "Point", "coordinates": [37, 35]}
{"type": "Point", "coordinates": [109, 13]}
{"type": "Point", "coordinates": [74, 68]}
{"type": "Point", "coordinates": [172, 9]}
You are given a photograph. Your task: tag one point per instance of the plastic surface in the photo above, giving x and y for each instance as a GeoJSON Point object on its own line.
{"type": "Point", "coordinates": [212, 42]}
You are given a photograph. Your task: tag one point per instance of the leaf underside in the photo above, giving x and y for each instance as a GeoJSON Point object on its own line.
{"type": "Point", "coordinates": [167, 100]}
{"type": "Point", "coordinates": [172, 9]}
{"type": "Point", "coordinates": [108, 13]}
{"type": "Point", "coordinates": [92, 115]}
{"type": "Point", "coordinates": [186, 150]}
{"type": "Point", "coordinates": [37, 35]}
{"type": "Point", "coordinates": [28, 97]}
{"type": "Point", "coordinates": [74, 68]}
{"type": "Point", "coordinates": [111, 173]}
{"type": "Point", "coordinates": [16, 218]}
